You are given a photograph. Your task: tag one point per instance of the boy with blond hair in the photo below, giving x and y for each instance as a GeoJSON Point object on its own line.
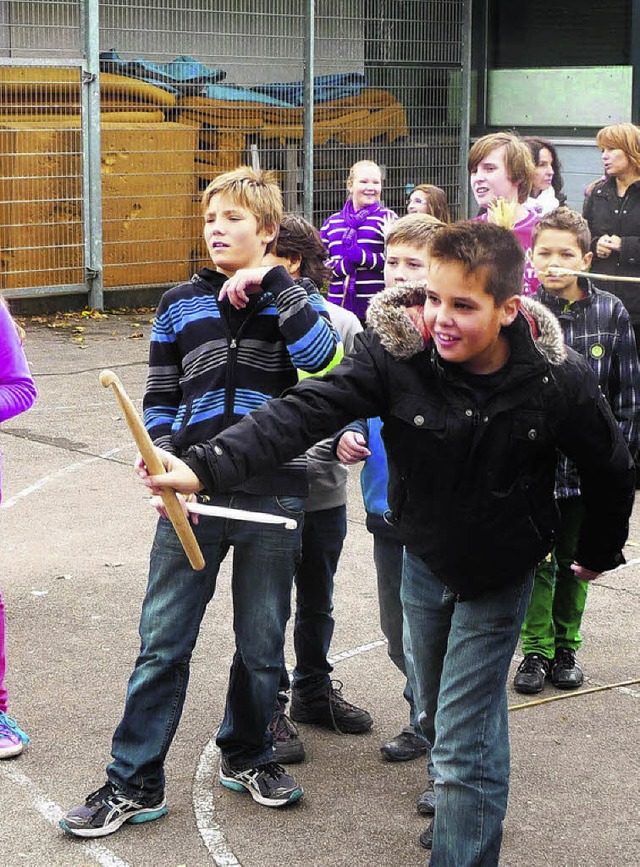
{"type": "Point", "coordinates": [474, 407]}
{"type": "Point", "coordinates": [226, 342]}
{"type": "Point", "coordinates": [597, 325]}
{"type": "Point", "coordinates": [406, 264]}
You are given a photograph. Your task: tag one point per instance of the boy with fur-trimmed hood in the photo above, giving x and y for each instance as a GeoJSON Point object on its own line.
{"type": "Point", "coordinates": [474, 405]}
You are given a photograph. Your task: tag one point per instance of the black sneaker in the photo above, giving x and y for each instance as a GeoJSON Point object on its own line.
{"type": "Point", "coordinates": [288, 749]}
{"type": "Point", "coordinates": [404, 747]}
{"type": "Point", "coordinates": [106, 810]}
{"type": "Point", "coordinates": [565, 671]}
{"type": "Point", "coordinates": [531, 674]}
{"type": "Point", "coordinates": [426, 838]}
{"type": "Point", "coordinates": [426, 805]}
{"type": "Point", "coordinates": [268, 784]}
{"type": "Point", "coordinates": [327, 708]}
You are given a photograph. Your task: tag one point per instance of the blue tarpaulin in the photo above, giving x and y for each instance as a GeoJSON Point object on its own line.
{"type": "Point", "coordinates": [183, 76]}
{"type": "Point", "coordinates": [325, 88]}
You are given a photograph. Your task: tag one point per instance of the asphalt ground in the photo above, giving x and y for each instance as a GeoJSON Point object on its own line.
{"type": "Point", "coordinates": [76, 533]}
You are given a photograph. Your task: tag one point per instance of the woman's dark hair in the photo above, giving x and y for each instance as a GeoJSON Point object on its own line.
{"type": "Point", "coordinates": [299, 239]}
{"type": "Point", "coordinates": [535, 145]}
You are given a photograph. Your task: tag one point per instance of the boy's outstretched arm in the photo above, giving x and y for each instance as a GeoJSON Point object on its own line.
{"type": "Point", "coordinates": [284, 427]}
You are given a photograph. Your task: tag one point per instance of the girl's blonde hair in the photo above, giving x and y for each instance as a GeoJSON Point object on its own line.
{"type": "Point", "coordinates": [359, 164]}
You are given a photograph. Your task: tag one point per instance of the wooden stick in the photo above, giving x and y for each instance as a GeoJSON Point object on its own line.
{"type": "Point", "coordinates": [154, 465]}
{"type": "Point", "coordinates": [554, 271]}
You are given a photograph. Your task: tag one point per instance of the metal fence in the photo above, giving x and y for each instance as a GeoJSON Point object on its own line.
{"type": "Point", "coordinates": [115, 116]}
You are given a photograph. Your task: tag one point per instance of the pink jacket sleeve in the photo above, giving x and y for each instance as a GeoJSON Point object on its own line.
{"type": "Point", "coordinates": [17, 389]}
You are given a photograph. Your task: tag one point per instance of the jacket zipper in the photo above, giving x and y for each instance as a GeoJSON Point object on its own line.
{"type": "Point", "coordinates": [232, 357]}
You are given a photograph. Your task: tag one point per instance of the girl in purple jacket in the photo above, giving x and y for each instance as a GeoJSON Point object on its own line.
{"type": "Point", "coordinates": [354, 238]}
{"type": "Point", "coordinates": [17, 394]}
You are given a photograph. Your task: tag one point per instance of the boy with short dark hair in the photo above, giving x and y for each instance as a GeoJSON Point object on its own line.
{"type": "Point", "coordinates": [597, 325]}
{"type": "Point", "coordinates": [474, 401]}
{"type": "Point", "coordinates": [223, 344]}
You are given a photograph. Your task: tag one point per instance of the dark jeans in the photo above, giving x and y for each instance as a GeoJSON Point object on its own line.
{"type": "Point", "coordinates": [264, 560]}
{"type": "Point", "coordinates": [461, 655]}
{"type": "Point", "coordinates": [388, 556]}
{"type": "Point", "coordinates": [323, 535]}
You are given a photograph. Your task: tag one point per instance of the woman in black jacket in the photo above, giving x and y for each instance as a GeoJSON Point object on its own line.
{"type": "Point", "coordinates": [612, 210]}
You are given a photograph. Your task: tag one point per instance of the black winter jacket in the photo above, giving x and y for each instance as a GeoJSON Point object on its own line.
{"type": "Point", "coordinates": [471, 481]}
{"type": "Point", "coordinates": [607, 215]}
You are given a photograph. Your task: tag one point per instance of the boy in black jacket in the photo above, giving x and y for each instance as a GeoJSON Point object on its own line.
{"type": "Point", "coordinates": [476, 391]}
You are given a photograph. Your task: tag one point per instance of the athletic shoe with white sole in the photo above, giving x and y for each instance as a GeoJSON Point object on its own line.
{"type": "Point", "coordinates": [268, 784]}
{"type": "Point", "coordinates": [105, 810]}
{"type": "Point", "coordinates": [12, 738]}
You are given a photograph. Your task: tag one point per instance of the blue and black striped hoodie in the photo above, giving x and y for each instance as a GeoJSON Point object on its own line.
{"type": "Point", "coordinates": [210, 364]}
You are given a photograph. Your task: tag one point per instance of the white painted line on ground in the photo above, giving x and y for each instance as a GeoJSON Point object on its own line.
{"type": "Point", "coordinates": [203, 807]}
{"type": "Point", "coordinates": [53, 813]}
{"type": "Point", "coordinates": [207, 772]}
{"type": "Point", "coordinates": [63, 471]}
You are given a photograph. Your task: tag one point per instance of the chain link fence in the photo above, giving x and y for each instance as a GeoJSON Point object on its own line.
{"type": "Point", "coordinates": [115, 116]}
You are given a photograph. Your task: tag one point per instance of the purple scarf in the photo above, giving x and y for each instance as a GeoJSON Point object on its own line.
{"type": "Point", "coordinates": [354, 219]}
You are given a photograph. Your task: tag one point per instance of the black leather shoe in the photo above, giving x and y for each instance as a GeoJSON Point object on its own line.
{"type": "Point", "coordinates": [328, 708]}
{"type": "Point", "coordinates": [565, 671]}
{"type": "Point", "coordinates": [427, 801]}
{"type": "Point", "coordinates": [426, 838]}
{"type": "Point", "coordinates": [531, 674]}
{"type": "Point", "coordinates": [404, 747]}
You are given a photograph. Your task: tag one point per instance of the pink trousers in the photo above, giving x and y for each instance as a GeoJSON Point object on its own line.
{"type": "Point", "coordinates": [3, 661]}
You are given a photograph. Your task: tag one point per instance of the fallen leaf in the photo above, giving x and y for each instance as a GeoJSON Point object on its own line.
{"type": "Point", "coordinates": [136, 335]}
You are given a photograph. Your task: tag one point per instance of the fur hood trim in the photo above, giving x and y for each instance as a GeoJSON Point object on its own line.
{"type": "Point", "coordinates": [389, 315]}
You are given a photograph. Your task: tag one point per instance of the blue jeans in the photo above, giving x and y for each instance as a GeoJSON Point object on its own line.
{"type": "Point", "coordinates": [388, 556]}
{"type": "Point", "coordinates": [323, 535]}
{"type": "Point", "coordinates": [461, 653]}
{"type": "Point", "coordinates": [264, 560]}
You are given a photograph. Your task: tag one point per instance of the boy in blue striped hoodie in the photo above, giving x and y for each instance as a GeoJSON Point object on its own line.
{"type": "Point", "coordinates": [223, 344]}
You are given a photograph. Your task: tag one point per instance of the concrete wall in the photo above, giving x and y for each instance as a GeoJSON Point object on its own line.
{"type": "Point", "coordinates": [250, 46]}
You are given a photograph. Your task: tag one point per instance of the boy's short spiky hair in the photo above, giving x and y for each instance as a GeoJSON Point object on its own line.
{"type": "Point", "coordinates": [565, 220]}
{"type": "Point", "coordinates": [480, 246]}
{"type": "Point", "coordinates": [298, 238]}
{"type": "Point", "coordinates": [253, 189]}
{"type": "Point", "coordinates": [517, 159]}
{"type": "Point", "coordinates": [413, 229]}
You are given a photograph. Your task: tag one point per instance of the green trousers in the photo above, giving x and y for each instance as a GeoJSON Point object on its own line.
{"type": "Point", "coordinates": [558, 597]}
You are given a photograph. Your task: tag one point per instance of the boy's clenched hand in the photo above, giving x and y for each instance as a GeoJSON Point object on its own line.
{"type": "Point", "coordinates": [584, 574]}
{"type": "Point", "coordinates": [247, 281]}
{"type": "Point", "coordinates": [178, 476]}
{"type": "Point", "coordinates": [352, 448]}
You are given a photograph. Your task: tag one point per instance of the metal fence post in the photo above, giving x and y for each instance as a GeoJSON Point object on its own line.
{"type": "Point", "coordinates": [307, 139]}
{"type": "Point", "coordinates": [465, 112]}
{"type": "Point", "coordinates": [91, 151]}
